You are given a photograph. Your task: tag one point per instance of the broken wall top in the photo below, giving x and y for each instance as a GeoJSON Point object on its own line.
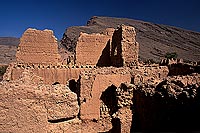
{"type": "Point", "coordinates": [90, 47]}
{"type": "Point", "coordinates": [114, 47]}
{"type": "Point", "coordinates": [38, 46]}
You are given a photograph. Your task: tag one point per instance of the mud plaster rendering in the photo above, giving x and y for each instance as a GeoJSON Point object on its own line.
{"type": "Point", "coordinates": [96, 94]}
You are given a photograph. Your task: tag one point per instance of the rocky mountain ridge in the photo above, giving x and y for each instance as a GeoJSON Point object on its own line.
{"type": "Point", "coordinates": [8, 48]}
{"type": "Point", "coordinates": [9, 41]}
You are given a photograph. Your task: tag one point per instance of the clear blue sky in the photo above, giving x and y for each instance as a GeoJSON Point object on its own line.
{"type": "Point", "coordinates": [18, 15]}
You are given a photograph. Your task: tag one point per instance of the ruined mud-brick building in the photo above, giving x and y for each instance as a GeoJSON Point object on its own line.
{"type": "Point", "coordinates": [103, 89]}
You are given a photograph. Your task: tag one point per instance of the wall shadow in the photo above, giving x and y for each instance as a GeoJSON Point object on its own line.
{"type": "Point", "coordinates": [105, 60]}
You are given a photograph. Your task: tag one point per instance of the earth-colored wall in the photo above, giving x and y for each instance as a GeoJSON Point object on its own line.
{"type": "Point", "coordinates": [93, 83]}
{"type": "Point", "coordinates": [38, 46]}
{"type": "Point", "coordinates": [124, 48]}
{"type": "Point", "coordinates": [90, 47]}
{"type": "Point", "coordinates": [112, 48]}
{"type": "Point", "coordinates": [50, 73]}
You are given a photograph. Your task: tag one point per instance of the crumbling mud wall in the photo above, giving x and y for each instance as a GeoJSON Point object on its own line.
{"type": "Point", "coordinates": [178, 67]}
{"type": "Point", "coordinates": [183, 69]}
{"type": "Point", "coordinates": [172, 105]}
{"type": "Point", "coordinates": [124, 48]}
{"type": "Point", "coordinates": [104, 100]}
{"type": "Point", "coordinates": [89, 48]}
{"type": "Point", "coordinates": [27, 105]}
{"type": "Point", "coordinates": [93, 83]}
{"type": "Point", "coordinates": [112, 48]}
{"type": "Point", "coordinates": [38, 46]}
{"type": "Point", "coordinates": [153, 73]}
{"type": "Point", "coordinates": [50, 73]}
{"type": "Point", "coordinates": [106, 90]}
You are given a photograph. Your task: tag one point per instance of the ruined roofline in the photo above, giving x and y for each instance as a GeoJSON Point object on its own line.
{"type": "Point", "coordinates": [37, 65]}
{"type": "Point", "coordinates": [34, 65]}
{"type": "Point", "coordinates": [45, 30]}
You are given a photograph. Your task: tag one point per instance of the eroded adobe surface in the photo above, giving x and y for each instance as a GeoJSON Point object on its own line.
{"type": "Point", "coordinates": [27, 105]}
{"type": "Point", "coordinates": [93, 49]}
{"type": "Point", "coordinates": [94, 84]}
{"type": "Point", "coordinates": [49, 72]}
{"type": "Point", "coordinates": [171, 105]}
{"type": "Point", "coordinates": [111, 48]}
{"type": "Point", "coordinates": [124, 48]}
{"type": "Point", "coordinates": [102, 88]}
{"type": "Point", "coordinates": [38, 46]}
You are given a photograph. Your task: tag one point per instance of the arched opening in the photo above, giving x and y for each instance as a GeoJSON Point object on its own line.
{"type": "Point", "coordinates": [109, 99]}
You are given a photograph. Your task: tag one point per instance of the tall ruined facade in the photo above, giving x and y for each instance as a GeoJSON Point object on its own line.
{"type": "Point", "coordinates": [38, 47]}
{"type": "Point", "coordinates": [116, 48]}
{"type": "Point", "coordinates": [124, 48]}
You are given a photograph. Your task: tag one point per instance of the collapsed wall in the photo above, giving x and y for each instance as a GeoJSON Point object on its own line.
{"type": "Point", "coordinates": [27, 105]}
{"type": "Point", "coordinates": [178, 67]}
{"type": "Point", "coordinates": [38, 46]}
{"type": "Point", "coordinates": [153, 73]}
{"type": "Point", "coordinates": [93, 83]}
{"type": "Point", "coordinates": [172, 105]}
{"type": "Point", "coordinates": [38, 52]}
{"type": "Point", "coordinates": [90, 49]}
{"type": "Point", "coordinates": [124, 48]}
{"type": "Point", "coordinates": [104, 100]}
{"type": "Point", "coordinates": [116, 48]}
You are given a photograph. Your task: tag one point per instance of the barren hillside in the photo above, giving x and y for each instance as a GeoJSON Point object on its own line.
{"type": "Point", "coordinates": [155, 39]}
{"type": "Point", "coordinates": [8, 47]}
